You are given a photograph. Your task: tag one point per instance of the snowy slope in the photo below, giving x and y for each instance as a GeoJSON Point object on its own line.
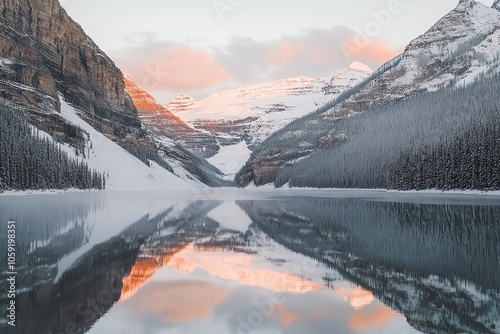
{"type": "Point", "coordinates": [461, 46]}
{"type": "Point", "coordinates": [125, 171]}
{"type": "Point", "coordinates": [230, 159]}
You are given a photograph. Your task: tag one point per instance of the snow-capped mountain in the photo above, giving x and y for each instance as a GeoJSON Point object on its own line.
{"type": "Point", "coordinates": [181, 104]}
{"type": "Point", "coordinates": [241, 118]}
{"type": "Point", "coordinates": [459, 48]}
{"type": "Point", "coordinates": [279, 96]}
{"type": "Point", "coordinates": [174, 138]}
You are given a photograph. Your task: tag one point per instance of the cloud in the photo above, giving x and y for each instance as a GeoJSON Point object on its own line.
{"type": "Point", "coordinates": [178, 302]}
{"type": "Point", "coordinates": [372, 319]}
{"type": "Point", "coordinates": [283, 55]}
{"type": "Point", "coordinates": [374, 52]}
{"type": "Point", "coordinates": [285, 316]}
{"type": "Point", "coordinates": [312, 52]}
{"type": "Point", "coordinates": [168, 66]}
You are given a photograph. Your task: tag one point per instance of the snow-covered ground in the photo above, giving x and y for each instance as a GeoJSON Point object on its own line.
{"type": "Point", "coordinates": [230, 159]}
{"type": "Point", "coordinates": [268, 190]}
{"type": "Point", "coordinates": [125, 171]}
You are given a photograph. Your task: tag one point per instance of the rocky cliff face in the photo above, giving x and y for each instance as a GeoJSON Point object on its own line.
{"type": "Point", "coordinates": [162, 122]}
{"type": "Point", "coordinates": [46, 54]}
{"type": "Point", "coordinates": [176, 140]}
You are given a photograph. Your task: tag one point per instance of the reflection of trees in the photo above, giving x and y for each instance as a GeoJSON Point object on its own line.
{"type": "Point", "coordinates": [393, 248]}
{"type": "Point", "coordinates": [93, 284]}
{"type": "Point", "coordinates": [47, 221]}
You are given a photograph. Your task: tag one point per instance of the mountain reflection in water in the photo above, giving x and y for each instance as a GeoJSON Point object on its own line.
{"type": "Point", "coordinates": [102, 263]}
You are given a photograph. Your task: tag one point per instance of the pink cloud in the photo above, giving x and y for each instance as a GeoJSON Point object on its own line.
{"type": "Point", "coordinates": [175, 68]}
{"type": "Point", "coordinates": [168, 68]}
{"type": "Point", "coordinates": [375, 51]}
{"type": "Point", "coordinates": [322, 49]}
{"type": "Point", "coordinates": [178, 302]}
{"type": "Point", "coordinates": [371, 319]}
{"type": "Point", "coordinates": [282, 54]}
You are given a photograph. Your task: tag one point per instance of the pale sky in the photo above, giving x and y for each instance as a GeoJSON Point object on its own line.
{"type": "Point", "coordinates": [196, 47]}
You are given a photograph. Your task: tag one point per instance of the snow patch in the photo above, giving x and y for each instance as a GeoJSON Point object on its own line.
{"type": "Point", "coordinates": [5, 61]}
{"type": "Point", "coordinates": [231, 159]}
{"type": "Point", "coordinates": [360, 67]}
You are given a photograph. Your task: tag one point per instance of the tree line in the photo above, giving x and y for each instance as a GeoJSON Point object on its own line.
{"type": "Point", "coordinates": [449, 139]}
{"type": "Point", "coordinates": [30, 161]}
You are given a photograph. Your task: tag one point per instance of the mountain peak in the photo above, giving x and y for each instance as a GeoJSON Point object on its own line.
{"type": "Point", "coordinates": [181, 103]}
{"type": "Point", "coordinates": [468, 5]}
{"type": "Point", "coordinates": [466, 2]}
{"type": "Point", "coordinates": [496, 5]}
{"type": "Point", "coordinates": [465, 5]}
{"type": "Point", "coordinates": [360, 67]}
{"type": "Point", "coordinates": [142, 100]}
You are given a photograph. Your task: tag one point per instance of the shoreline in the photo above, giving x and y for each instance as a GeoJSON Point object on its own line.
{"type": "Point", "coordinates": [265, 190]}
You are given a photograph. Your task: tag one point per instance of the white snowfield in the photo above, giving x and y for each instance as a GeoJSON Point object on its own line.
{"type": "Point", "coordinates": [124, 171]}
{"type": "Point", "coordinates": [231, 159]}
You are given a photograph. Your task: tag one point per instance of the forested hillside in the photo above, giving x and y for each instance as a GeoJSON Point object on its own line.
{"type": "Point", "coordinates": [443, 140]}
{"type": "Point", "coordinates": [29, 161]}
{"type": "Point", "coordinates": [471, 160]}
{"type": "Point", "coordinates": [459, 49]}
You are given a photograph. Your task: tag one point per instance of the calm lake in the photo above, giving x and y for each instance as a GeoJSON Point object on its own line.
{"type": "Point", "coordinates": [229, 261]}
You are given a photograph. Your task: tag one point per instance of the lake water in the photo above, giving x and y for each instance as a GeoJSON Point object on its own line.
{"type": "Point", "coordinates": [228, 261]}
